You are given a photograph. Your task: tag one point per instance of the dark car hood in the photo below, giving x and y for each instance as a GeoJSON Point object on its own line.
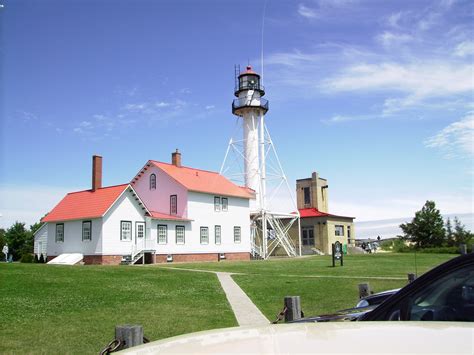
{"type": "Point", "coordinates": [344, 315]}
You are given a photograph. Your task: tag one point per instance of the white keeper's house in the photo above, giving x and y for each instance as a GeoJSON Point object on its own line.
{"type": "Point", "coordinates": [168, 212]}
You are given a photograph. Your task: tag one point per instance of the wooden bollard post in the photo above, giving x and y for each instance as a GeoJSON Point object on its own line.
{"type": "Point", "coordinates": [411, 278]}
{"type": "Point", "coordinates": [129, 335]}
{"type": "Point", "coordinates": [364, 290]}
{"type": "Point", "coordinates": [293, 308]}
{"type": "Point", "coordinates": [463, 249]}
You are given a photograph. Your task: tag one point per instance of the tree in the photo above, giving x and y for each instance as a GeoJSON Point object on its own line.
{"type": "Point", "coordinates": [20, 240]}
{"type": "Point", "coordinates": [2, 238]}
{"type": "Point", "coordinates": [427, 228]}
{"type": "Point", "coordinates": [449, 233]}
{"type": "Point", "coordinates": [461, 235]}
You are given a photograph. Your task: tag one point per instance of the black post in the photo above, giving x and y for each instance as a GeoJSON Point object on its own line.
{"type": "Point", "coordinates": [333, 255]}
{"type": "Point", "coordinates": [293, 308]}
{"type": "Point", "coordinates": [411, 278]}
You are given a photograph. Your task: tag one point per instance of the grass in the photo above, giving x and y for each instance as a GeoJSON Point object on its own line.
{"type": "Point", "coordinates": [363, 265]}
{"type": "Point", "coordinates": [322, 288]}
{"type": "Point", "coordinates": [73, 310]}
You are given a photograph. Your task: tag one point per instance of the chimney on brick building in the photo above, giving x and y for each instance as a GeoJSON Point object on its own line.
{"type": "Point", "coordinates": [96, 172]}
{"type": "Point", "coordinates": [176, 158]}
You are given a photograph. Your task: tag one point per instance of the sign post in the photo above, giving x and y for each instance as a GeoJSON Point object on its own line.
{"type": "Point", "coordinates": [337, 253]}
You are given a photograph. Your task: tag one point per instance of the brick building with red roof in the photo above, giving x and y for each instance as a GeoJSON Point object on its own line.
{"type": "Point", "coordinates": [319, 228]}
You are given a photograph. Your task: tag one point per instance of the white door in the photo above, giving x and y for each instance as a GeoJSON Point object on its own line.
{"type": "Point", "coordinates": [139, 233]}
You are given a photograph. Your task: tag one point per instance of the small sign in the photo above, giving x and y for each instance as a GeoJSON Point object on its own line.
{"type": "Point", "coordinates": [337, 253]}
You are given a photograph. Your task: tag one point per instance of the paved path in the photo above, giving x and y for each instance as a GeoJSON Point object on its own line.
{"type": "Point", "coordinates": [245, 311]}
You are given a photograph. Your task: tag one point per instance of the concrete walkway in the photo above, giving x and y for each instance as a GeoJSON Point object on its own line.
{"type": "Point", "coordinates": [245, 311]}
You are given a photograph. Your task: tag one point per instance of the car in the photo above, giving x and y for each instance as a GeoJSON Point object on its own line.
{"type": "Point", "coordinates": [322, 338]}
{"type": "Point", "coordinates": [376, 298]}
{"type": "Point", "coordinates": [445, 293]}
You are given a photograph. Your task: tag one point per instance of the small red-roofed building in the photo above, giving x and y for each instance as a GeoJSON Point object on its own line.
{"type": "Point", "coordinates": [168, 212]}
{"type": "Point", "coordinates": [319, 228]}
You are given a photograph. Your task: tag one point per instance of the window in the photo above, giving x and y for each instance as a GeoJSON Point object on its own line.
{"type": "Point", "coordinates": [307, 236]}
{"type": "Point", "coordinates": [140, 229]}
{"type": "Point", "coordinates": [125, 230]}
{"type": "Point", "coordinates": [225, 204]}
{"type": "Point", "coordinates": [449, 297]}
{"type": "Point", "coordinates": [152, 182]}
{"type": "Point", "coordinates": [180, 235]}
{"type": "Point", "coordinates": [217, 204]}
{"type": "Point", "coordinates": [204, 235]}
{"type": "Point", "coordinates": [339, 230]}
{"type": "Point", "coordinates": [162, 234]}
{"type": "Point", "coordinates": [348, 234]}
{"type": "Point", "coordinates": [307, 195]}
{"type": "Point", "coordinates": [173, 204]}
{"type": "Point", "coordinates": [217, 234]}
{"type": "Point", "coordinates": [86, 231]}
{"type": "Point", "coordinates": [237, 235]}
{"type": "Point", "coordinates": [59, 232]}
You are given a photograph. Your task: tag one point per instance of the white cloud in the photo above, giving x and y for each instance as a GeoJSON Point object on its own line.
{"type": "Point", "coordinates": [388, 39]}
{"type": "Point", "coordinates": [162, 104]}
{"type": "Point", "coordinates": [346, 118]}
{"type": "Point", "coordinates": [418, 81]}
{"type": "Point", "coordinates": [210, 107]}
{"type": "Point", "coordinates": [394, 19]}
{"type": "Point", "coordinates": [455, 139]}
{"type": "Point", "coordinates": [464, 49]}
{"type": "Point", "coordinates": [307, 12]}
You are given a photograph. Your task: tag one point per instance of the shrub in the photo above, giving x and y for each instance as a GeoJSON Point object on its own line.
{"type": "Point", "coordinates": [27, 258]}
{"type": "Point", "coordinates": [441, 250]}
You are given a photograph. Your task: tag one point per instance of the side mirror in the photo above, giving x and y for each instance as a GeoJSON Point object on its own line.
{"type": "Point", "coordinates": [467, 293]}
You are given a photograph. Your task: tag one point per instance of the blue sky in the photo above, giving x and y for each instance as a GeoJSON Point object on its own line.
{"type": "Point", "coordinates": [377, 96]}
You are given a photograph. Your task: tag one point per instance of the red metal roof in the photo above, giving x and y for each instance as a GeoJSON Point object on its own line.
{"type": "Point", "coordinates": [204, 181]}
{"type": "Point", "coordinates": [313, 212]}
{"type": "Point", "coordinates": [167, 217]}
{"type": "Point", "coordinates": [85, 204]}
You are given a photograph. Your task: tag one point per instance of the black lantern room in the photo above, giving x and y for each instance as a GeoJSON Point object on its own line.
{"type": "Point", "coordinates": [249, 80]}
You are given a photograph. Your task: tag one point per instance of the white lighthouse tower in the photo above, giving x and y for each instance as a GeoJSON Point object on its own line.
{"type": "Point", "coordinates": [269, 227]}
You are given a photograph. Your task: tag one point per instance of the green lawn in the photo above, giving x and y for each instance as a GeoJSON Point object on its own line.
{"type": "Point", "coordinates": [322, 288]}
{"type": "Point", "coordinates": [372, 265]}
{"type": "Point", "coordinates": [59, 309]}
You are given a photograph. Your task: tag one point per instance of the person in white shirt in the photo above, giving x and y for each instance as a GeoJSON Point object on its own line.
{"type": "Point", "coordinates": [5, 251]}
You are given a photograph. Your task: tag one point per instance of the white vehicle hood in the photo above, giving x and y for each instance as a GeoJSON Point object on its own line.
{"type": "Point", "coordinates": [323, 338]}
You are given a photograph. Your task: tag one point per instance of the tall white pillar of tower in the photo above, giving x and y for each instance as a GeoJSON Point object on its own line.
{"type": "Point", "coordinates": [269, 228]}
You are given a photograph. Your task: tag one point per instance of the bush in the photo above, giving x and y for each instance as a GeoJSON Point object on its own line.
{"type": "Point", "coordinates": [442, 250]}
{"type": "Point", "coordinates": [395, 245]}
{"type": "Point", "coordinates": [27, 258]}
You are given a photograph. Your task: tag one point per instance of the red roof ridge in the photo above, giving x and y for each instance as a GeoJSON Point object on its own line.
{"type": "Point", "coordinates": [102, 188]}
{"type": "Point", "coordinates": [314, 212]}
{"type": "Point", "coordinates": [186, 167]}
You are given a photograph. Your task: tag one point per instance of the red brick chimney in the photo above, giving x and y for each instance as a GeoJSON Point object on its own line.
{"type": "Point", "coordinates": [176, 158]}
{"type": "Point", "coordinates": [96, 172]}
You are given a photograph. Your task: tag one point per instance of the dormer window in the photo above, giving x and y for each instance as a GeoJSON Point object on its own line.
{"type": "Point", "coordinates": [152, 182]}
{"type": "Point", "coordinates": [173, 204]}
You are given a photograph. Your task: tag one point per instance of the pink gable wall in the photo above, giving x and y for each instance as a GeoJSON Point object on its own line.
{"type": "Point", "coordinates": [158, 200]}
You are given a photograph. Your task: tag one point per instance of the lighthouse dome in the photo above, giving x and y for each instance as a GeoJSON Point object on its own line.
{"type": "Point", "coordinates": [249, 80]}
